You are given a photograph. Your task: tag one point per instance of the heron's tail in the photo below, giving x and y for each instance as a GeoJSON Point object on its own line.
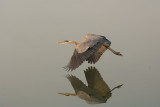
{"type": "Point", "coordinates": [67, 94]}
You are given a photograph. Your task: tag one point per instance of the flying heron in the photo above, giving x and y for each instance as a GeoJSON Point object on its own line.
{"type": "Point", "coordinates": [97, 90]}
{"type": "Point", "coordinates": [90, 49]}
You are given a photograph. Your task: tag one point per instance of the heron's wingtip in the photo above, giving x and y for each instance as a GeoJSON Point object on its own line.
{"type": "Point", "coordinates": [67, 68]}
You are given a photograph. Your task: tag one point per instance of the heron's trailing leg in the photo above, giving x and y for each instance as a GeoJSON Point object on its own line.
{"type": "Point", "coordinates": [68, 94]}
{"type": "Point", "coordinates": [117, 53]}
{"type": "Point", "coordinates": [119, 86]}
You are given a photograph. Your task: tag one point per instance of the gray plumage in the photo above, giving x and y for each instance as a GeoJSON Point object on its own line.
{"type": "Point", "coordinates": [97, 90]}
{"type": "Point", "coordinates": [89, 49]}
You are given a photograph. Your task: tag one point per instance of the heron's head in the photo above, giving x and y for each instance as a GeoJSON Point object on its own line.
{"type": "Point", "coordinates": [68, 42]}
{"type": "Point", "coordinates": [64, 42]}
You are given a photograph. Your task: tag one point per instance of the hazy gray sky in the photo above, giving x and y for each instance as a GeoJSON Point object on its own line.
{"type": "Point", "coordinates": [31, 61]}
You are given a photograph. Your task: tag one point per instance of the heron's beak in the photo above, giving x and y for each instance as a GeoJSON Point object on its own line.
{"type": "Point", "coordinates": [62, 42]}
{"type": "Point", "coordinates": [67, 94]}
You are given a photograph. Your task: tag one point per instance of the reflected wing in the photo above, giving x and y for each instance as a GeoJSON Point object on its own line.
{"type": "Point", "coordinates": [78, 58]}
{"type": "Point", "coordinates": [96, 82]}
{"type": "Point", "coordinates": [77, 84]}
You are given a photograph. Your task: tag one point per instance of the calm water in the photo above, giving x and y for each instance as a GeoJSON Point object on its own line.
{"type": "Point", "coordinates": [31, 61]}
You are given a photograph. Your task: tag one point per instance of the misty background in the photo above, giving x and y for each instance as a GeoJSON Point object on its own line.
{"type": "Point", "coordinates": [31, 61]}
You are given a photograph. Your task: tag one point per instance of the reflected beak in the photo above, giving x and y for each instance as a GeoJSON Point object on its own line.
{"type": "Point", "coordinates": [67, 94]}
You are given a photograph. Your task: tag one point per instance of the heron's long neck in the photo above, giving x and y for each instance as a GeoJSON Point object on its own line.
{"type": "Point", "coordinates": [73, 42]}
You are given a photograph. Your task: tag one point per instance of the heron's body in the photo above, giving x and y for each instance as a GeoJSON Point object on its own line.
{"type": "Point", "coordinates": [97, 90]}
{"type": "Point", "coordinates": [89, 49]}
{"type": "Point", "coordinates": [91, 40]}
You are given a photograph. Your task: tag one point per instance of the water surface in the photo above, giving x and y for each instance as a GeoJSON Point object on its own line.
{"type": "Point", "coordinates": [31, 61]}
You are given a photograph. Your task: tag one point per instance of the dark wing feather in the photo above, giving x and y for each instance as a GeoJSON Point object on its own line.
{"type": "Point", "coordinates": [78, 58]}
{"type": "Point", "coordinates": [96, 82]}
{"type": "Point", "coordinates": [77, 84]}
{"type": "Point", "coordinates": [96, 56]}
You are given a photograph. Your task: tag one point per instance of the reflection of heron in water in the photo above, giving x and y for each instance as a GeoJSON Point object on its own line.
{"type": "Point", "coordinates": [97, 90]}
{"type": "Point", "coordinates": [89, 49]}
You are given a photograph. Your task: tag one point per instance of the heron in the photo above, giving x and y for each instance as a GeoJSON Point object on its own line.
{"type": "Point", "coordinates": [89, 49]}
{"type": "Point", "coordinates": [97, 90]}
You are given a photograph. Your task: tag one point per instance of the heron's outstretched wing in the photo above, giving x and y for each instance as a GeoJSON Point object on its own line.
{"type": "Point", "coordinates": [85, 49]}
{"type": "Point", "coordinates": [77, 84]}
{"type": "Point", "coordinates": [78, 58]}
{"type": "Point", "coordinates": [96, 82]}
{"type": "Point", "coordinates": [96, 56]}
{"type": "Point", "coordinates": [89, 41]}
